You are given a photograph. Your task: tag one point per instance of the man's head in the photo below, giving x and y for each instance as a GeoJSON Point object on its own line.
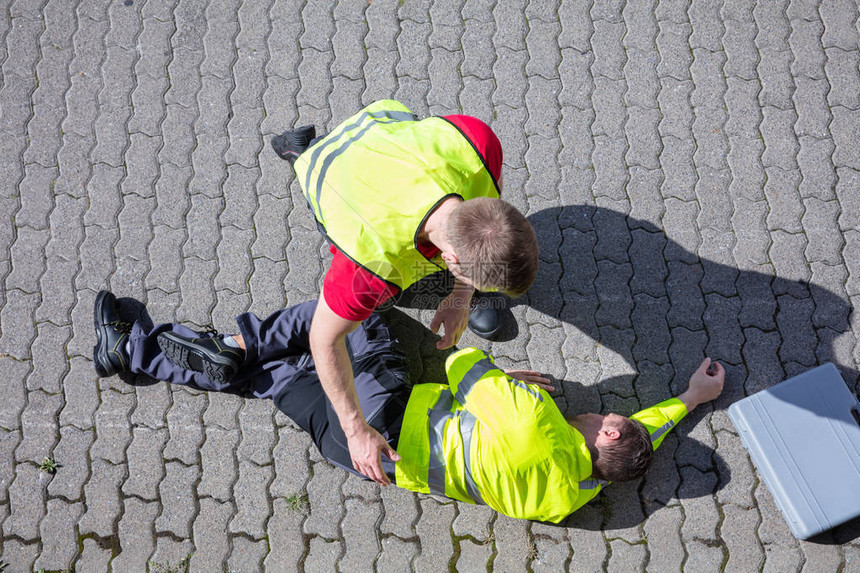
{"type": "Point", "coordinates": [620, 448]}
{"type": "Point", "coordinates": [494, 246]}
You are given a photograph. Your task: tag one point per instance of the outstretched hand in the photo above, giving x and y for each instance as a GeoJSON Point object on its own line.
{"type": "Point", "coordinates": [365, 447]}
{"type": "Point", "coordinates": [706, 384]}
{"type": "Point", "coordinates": [533, 378]}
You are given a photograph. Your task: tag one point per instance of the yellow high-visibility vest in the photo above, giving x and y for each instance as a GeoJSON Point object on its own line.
{"type": "Point", "coordinates": [487, 438]}
{"type": "Point", "coordinates": [372, 182]}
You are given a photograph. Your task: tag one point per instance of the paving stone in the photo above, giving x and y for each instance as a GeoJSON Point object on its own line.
{"type": "Point", "coordinates": [211, 550]}
{"type": "Point", "coordinates": [72, 456]}
{"type": "Point", "coordinates": [102, 498]}
{"type": "Point", "coordinates": [135, 532]}
{"type": "Point", "coordinates": [843, 76]}
{"type": "Point", "coordinates": [738, 531]}
{"type": "Point", "coordinates": [475, 521]}
{"type": "Point", "coordinates": [27, 501]}
{"type": "Point", "coordinates": [218, 464]}
{"type": "Point", "coordinates": [794, 318]}
{"type": "Point", "coordinates": [364, 489]}
{"type": "Point", "coordinates": [145, 469]}
{"type": "Point", "coordinates": [170, 552]}
{"type": "Point", "coordinates": [703, 556]}
{"type": "Point", "coordinates": [838, 31]}
{"type": "Point", "coordinates": [292, 470]}
{"type": "Point", "coordinates": [397, 555]}
{"type": "Point", "coordinates": [8, 442]}
{"type": "Point", "coordinates": [19, 555]}
{"type": "Point", "coordinates": [93, 556]}
{"type": "Point", "coordinates": [474, 556]}
{"type": "Point", "coordinates": [359, 528]}
{"type": "Point", "coordinates": [829, 295]}
{"type": "Point", "coordinates": [584, 530]}
{"type": "Point", "coordinates": [434, 530]}
{"type": "Point", "coordinates": [739, 43]}
{"type": "Point", "coordinates": [662, 531]}
{"type": "Point", "coordinates": [113, 433]}
{"type": "Point", "coordinates": [322, 555]}
{"type": "Point", "coordinates": [251, 498]}
{"type": "Point", "coordinates": [81, 395]}
{"type": "Point", "coordinates": [258, 432]}
{"type": "Point", "coordinates": [325, 501]}
{"type": "Point", "coordinates": [819, 557]}
{"type": "Point", "coordinates": [819, 222]}
{"type": "Point", "coordinates": [704, 526]}
{"type": "Point", "coordinates": [183, 423]}
{"type": "Point", "coordinates": [39, 430]}
{"type": "Point", "coordinates": [286, 526]}
{"type": "Point", "coordinates": [551, 548]}
{"type": "Point", "coordinates": [789, 264]}
{"type": "Point", "coordinates": [627, 557]}
{"type": "Point", "coordinates": [177, 486]}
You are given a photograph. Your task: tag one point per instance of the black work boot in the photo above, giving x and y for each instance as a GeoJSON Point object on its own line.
{"type": "Point", "coordinates": [484, 317]}
{"type": "Point", "coordinates": [109, 354]}
{"type": "Point", "coordinates": [290, 144]}
{"type": "Point", "coordinates": [211, 356]}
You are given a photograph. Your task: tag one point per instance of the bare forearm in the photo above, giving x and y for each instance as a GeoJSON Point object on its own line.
{"type": "Point", "coordinates": [336, 377]}
{"type": "Point", "coordinates": [689, 401]}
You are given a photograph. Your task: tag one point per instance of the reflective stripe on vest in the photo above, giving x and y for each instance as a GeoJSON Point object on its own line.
{"type": "Point", "coordinates": [592, 483]}
{"type": "Point", "coordinates": [440, 415]}
{"type": "Point", "coordinates": [658, 433]}
{"type": "Point", "coordinates": [467, 424]}
{"type": "Point", "coordinates": [375, 118]}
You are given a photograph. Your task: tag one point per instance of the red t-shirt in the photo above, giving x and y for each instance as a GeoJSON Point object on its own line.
{"type": "Point", "coordinates": [352, 292]}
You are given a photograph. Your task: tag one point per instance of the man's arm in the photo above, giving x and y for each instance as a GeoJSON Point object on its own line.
{"type": "Point", "coordinates": [453, 313]}
{"type": "Point", "coordinates": [705, 385]}
{"type": "Point", "coordinates": [328, 347]}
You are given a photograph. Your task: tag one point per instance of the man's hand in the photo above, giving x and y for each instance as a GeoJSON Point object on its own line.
{"type": "Point", "coordinates": [365, 446]}
{"type": "Point", "coordinates": [532, 377]}
{"type": "Point", "coordinates": [453, 313]}
{"type": "Point", "coordinates": [706, 384]}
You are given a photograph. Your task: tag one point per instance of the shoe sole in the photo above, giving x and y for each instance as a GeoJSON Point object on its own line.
{"type": "Point", "coordinates": [100, 350]}
{"type": "Point", "coordinates": [179, 351]}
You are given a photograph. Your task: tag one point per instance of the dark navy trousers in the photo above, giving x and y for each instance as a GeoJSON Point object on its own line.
{"type": "Point", "coordinates": [278, 365]}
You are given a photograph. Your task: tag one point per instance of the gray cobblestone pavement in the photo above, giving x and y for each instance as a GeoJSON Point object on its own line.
{"type": "Point", "coordinates": [692, 171]}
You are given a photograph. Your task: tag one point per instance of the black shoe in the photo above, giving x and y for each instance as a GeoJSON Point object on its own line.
{"type": "Point", "coordinates": [290, 144]}
{"type": "Point", "coordinates": [484, 317]}
{"type": "Point", "coordinates": [109, 353]}
{"type": "Point", "coordinates": [210, 356]}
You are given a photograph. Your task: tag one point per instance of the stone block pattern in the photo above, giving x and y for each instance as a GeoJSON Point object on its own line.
{"type": "Point", "coordinates": [691, 169]}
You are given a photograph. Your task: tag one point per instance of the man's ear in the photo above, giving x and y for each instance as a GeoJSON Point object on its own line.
{"type": "Point", "coordinates": [450, 258]}
{"type": "Point", "coordinates": [611, 433]}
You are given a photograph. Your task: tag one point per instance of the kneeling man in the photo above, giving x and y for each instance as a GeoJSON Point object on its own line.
{"type": "Point", "coordinates": [482, 436]}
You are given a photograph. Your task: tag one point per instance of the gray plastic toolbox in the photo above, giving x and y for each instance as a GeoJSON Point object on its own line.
{"type": "Point", "coordinates": [803, 436]}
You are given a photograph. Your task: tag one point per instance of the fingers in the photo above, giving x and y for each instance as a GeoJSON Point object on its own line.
{"type": "Point", "coordinates": [374, 471]}
{"type": "Point", "coordinates": [445, 342]}
{"type": "Point", "coordinates": [436, 322]}
{"type": "Point", "coordinates": [392, 454]}
{"type": "Point", "coordinates": [712, 369]}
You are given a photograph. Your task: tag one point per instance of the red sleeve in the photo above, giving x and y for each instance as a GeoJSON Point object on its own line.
{"type": "Point", "coordinates": [352, 292]}
{"type": "Point", "coordinates": [484, 140]}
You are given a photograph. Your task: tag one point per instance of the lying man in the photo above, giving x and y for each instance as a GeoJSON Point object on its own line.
{"type": "Point", "coordinates": [486, 436]}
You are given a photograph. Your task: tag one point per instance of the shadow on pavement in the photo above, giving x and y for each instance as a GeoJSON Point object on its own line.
{"type": "Point", "coordinates": [623, 283]}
